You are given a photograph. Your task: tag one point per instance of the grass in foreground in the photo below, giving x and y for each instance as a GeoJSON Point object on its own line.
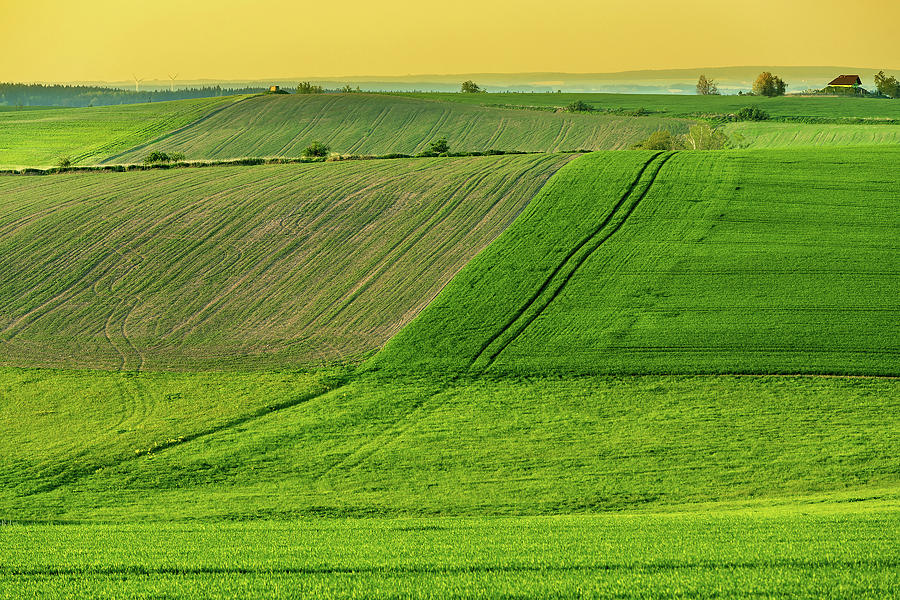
{"type": "Point", "coordinates": [748, 262]}
{"type": "Point", "coordinates": [36, 138]}
{"type": "Point", "coordinates": [825, 552]}
{"type": "Point", "coordinates": [241, 266]}
{"type": "Point", "coordinates": [92, 446]}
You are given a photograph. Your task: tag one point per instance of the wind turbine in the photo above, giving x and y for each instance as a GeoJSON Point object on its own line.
{"type": "Point", "coordinates": [173, 77]}
{"type": "Point", "coordinates": [137, 83]}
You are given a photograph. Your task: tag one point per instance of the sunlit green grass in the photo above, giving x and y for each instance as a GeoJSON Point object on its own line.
{"type": "Point", "coordinates": [786, 135]}
{"type": "Point", "coordinates": [91, 446]}
{"type": "Point", "coordinates": [829, 552]}
{"type": "Point", "coordinates": [87, 135]}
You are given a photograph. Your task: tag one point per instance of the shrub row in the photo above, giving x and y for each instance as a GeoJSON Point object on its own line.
{"type": "Point", "coordinates": [252, 161]}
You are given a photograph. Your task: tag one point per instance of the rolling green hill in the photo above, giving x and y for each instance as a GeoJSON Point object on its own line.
{"type": "Point", "coordinates": [241, 266]}
{"type": "Point", "coordinates": [485, 451]}
{"type": "Point", "coordinates": [735, 262]}
{"type": "Point", "coordinates": [32, 137]}
{"type": "Point", "coordinates": [690, 105]}
{"type": "Point", "coordinates": [789, 135]}
{"type": "Point", "coordinates": [383, 124]}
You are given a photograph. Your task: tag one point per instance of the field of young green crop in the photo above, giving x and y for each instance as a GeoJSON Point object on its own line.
{"type": "Point", "coordinates": [584, 398]}
{"type": "Point", "coordinates": [690, 105]}
{"type": "Point", "coordinates": [747, 262]}
{"type": "Point", "coordinates": [32, 137]}
{"type": "Point", "coordinates": [383, 124]}
{"type": "Point", "coordinates": [786, 135]}
{"type": "Point", "coordinates": [125, 447]}
{"type": "Point", "coordinates": [241, 266]}
{"type": "Point", "coordinates": [837, 553]}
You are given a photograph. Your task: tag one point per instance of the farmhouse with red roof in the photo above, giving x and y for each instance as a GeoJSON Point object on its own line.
{"type": "Point", "coordinates": [846, 81]}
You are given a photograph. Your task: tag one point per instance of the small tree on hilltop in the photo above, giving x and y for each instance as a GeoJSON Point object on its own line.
{"type": "Point", "coordinates": [316, 150]}
{"type": "Point", "coordinates": [769, 85]}
{"type": "Point", "coordinates": [439, 146]}
{"type": "Point", "coordinates": [707, 87]}
{"type": "Point", "coordinates": [470, 87]}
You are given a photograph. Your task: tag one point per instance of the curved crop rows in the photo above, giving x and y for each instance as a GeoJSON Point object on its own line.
{"type": "Point", "coordinates": [241, 266]}
{"type": "Point", "coordinates": [381, 124]}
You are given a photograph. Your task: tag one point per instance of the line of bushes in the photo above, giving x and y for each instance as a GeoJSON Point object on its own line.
{"type": "Point", "coordinates": [255, 161]}
{"type": "Point", "coordinates": [246, 161]}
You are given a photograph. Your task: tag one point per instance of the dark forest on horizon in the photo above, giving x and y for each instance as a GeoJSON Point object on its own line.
{"type": "Point", "coordinates": [22, 94]}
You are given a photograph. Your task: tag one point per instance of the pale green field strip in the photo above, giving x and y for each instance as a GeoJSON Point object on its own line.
{"type": "Point", "coordinates": [687, 105]}
{"type": "Point", "coordinates": [786, 135]}
{"type": "Point", "coordinates": [816, 553]}
{"type": "Point", "coordinates": [745, 262]}
{"type": "Point", "coordinates": [38, 138]}
{"type": "Point", "coordinates": [94, 446]}
{"type": "Point", "coordinates": [241, 266]}
{"type": "Point", "coordinates": [380, 124]}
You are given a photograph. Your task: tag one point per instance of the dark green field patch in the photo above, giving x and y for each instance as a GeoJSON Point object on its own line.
{"type": "Point", "coordinates": [749, 262]}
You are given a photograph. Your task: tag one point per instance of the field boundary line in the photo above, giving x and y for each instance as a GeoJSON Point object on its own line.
{"type": "Point", "coordinates": [588, 254]}
{"type": "Point", "coordinates": [164, 136]}
{"type": "Point", "coordinates": [559, 267]}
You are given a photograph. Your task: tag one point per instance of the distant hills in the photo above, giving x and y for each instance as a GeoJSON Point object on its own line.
{"type": "Point", "coordinates": [651, 81]}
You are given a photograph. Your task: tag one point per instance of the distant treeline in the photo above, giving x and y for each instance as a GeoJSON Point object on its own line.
{"type": "Point", "coordinates": [20, 94]}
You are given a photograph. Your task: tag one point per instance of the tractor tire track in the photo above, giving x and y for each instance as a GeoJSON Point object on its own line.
{"type": "Point", "coordinates": [393, 432]}
{"type": "Point", "coordinates": [532, 301]}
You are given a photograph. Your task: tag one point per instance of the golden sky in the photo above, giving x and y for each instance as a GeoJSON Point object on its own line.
{"type": "Point", "coordinates": [65, 40]}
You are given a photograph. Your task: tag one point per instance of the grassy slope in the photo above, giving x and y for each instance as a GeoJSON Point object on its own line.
{"type": "Point", "coordinates": [95, 446]}
{"type": "Point", "coordinates": [814, 554]}
{"type": "Point", "coordinates": [87, 135]}
{"type": "Point", "coordinates": [241, 266]}
{"type": "Point", "coordinates": [381, 124]}
{"type": "Point", "coordinates": [785, 135]}
{"type": "Point", "coordinates": [684, 105]}
{"type": "Point", "coordinates": [756, 261]}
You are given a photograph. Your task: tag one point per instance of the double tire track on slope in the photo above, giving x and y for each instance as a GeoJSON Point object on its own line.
{"type": "Point", "coordinates": [565, 270]}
